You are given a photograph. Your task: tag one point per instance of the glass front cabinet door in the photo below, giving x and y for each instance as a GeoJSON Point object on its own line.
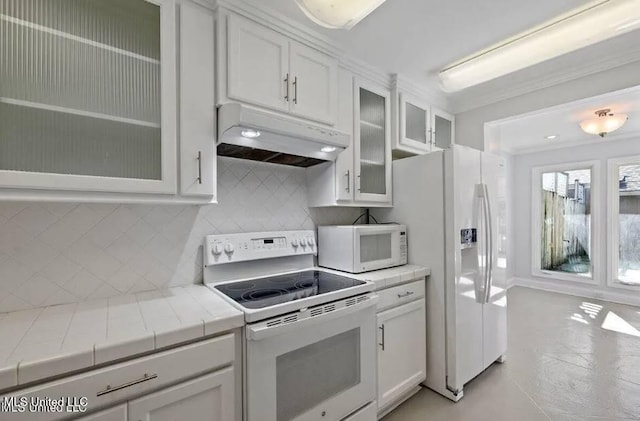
{"type": "Point", "coordinates": [87, 95]}
{"type": "Point", "coordinates": [414, 120]}
{"type": "Point", "coordinates": [442, 129]}
{"type": "Point", "coordinates": [372, 143]}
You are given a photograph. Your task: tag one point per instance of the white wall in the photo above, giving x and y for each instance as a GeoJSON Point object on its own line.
{"type": "Point", "coordinates": [521, 207]}
{"type": "Point", "coordinates": [53, 253]}
{"type": "Point", "coordinates": [470, 124]}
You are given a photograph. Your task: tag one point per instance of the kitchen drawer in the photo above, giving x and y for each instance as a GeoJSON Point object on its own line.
{"type": "Point", "coordinates": [119, 382]}
{"type": "Point", "coordinates": [400, 294]}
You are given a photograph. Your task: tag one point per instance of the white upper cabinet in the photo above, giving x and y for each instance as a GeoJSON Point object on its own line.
{"type": "Point", "coordinates": [418, 126]}
{"type": "Point", "coordinates": [88, 107]}
{"type": "Point", "coordinates": [414, 125]}
{"type": "Point", "coordinates": [258, 64]}
{"type": "Point", "coordinates": [442, 129]}
{"type": "Point", "coordinates": [268, 69]}
{"type": "Point", "coordinates": [361, 175]}
{"type": "Point", "coordinates": [372, 137]}
{"type": "Point", "coordinates": [344, 170]}
{"type": "Point", "coordinates": [197, 101]}
{"type": "Point", "coordinates": [314, 84]}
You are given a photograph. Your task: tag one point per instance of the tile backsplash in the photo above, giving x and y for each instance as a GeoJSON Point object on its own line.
{"type": "Point", "coordinates": [53, 253]}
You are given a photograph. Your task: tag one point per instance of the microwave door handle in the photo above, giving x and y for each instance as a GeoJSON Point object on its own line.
{"type": "Point", "coordinates": [258, 333]}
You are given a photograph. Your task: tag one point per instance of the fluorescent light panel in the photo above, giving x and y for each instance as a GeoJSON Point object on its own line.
{"type": "Point", "coordinates": [577, 29]}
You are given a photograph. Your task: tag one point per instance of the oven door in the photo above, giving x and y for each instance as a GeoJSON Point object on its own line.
{"type": "Point", "coordinates": [376, 247]}
{"type": "Point", "coordinates": [316, 364]}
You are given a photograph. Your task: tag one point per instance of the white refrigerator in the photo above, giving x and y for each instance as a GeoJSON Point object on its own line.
{"type": "Point", "coordinates": [453, 203]}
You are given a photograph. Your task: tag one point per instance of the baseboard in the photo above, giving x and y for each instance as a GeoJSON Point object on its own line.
{"type": "Point", "coordinates": [511, 282]}
{"type": "Point", "coordinates": [586, 291]}
{"type": "Point", "coordinates": [399, 402]}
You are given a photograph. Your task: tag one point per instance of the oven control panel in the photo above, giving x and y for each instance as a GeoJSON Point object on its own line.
{"type": "Point", "coordinates": [229, 248]}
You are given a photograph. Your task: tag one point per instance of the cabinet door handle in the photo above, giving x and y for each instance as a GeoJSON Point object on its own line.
{"type": "Point", "coordinates": [358, 183]}
{"type": "Point", "coordinates": [295, 89]}
{"type": "Point", "coordinates": [382, 343]}
{"type": "Point", "coordinates": [286, 87]}
{"type": "Point", "coordinates": [406, 294]}
{"type": "Point", "coordinates": [199, 158]}
{"type": "Point", "coordinates": [348, 175]}
{"type": "Point", "coordinates": [142, 379]}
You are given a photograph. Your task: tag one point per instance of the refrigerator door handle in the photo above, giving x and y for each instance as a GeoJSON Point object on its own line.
{"type": "Point", "coordinates": [489, 237]}
{"type": "Point", "coordinates": [483, 222]}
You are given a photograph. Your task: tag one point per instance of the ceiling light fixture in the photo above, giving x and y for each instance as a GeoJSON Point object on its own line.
{"type": "Point", "coordinates": [250, 133]}
{"type": "Point", "coordinates": [338, 14]}
{"type": "Point", "coordinates": [606, 122]}
{"type": "Point", "coordinates": [551, 137]}
{"type": "Point", "coordinates": [579, 28]}
{"type": "Point", "coordinates": [328, 149]}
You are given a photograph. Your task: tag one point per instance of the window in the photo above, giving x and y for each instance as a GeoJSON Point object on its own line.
{"type": "Point", "coordinates": [624, 221]}
{"type": "Point", "coordinates": [565, 215]}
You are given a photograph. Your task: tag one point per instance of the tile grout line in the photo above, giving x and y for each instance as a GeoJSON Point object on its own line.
{"type": "Point", "coordinates": [66, 332]}
{"type": "Point", "coordinates": [530, 398]}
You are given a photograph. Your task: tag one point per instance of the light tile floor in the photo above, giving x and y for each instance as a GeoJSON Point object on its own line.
{"type": "Point", "coordinates": [569, 359]}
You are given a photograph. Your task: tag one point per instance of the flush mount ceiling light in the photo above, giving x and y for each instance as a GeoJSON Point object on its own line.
{"type": "Point", "coordinates": [551, 136]}
{"type": "Point", "coordinates": [338, 14]}
{"type": "Point", "coordinates": [328, 149]}
{"type": "Point", "coordinates": [606, 122]}
{"type": "Point", "coordinates": [579, 28]}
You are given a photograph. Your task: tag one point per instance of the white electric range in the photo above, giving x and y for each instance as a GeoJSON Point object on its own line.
{"type": "Point", "coordinates": [310, 338]}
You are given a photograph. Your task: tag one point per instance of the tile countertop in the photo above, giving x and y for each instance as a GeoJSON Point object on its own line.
{"type": "Point", "coordinates": [50, 341]}
{"type": "Point", "coordinates": [385, 278]}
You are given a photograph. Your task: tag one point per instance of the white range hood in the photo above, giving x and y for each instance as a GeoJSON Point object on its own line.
{"type": "Point", "coordinates": [274, 138]}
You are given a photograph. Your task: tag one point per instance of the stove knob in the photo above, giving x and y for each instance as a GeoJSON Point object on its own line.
{"type": "Point", "coordinates": [310, 241]}
{"type": "Point", "coordinates": [294, 243]}
{"type": "Point", "coordinates": [216, 249]}
{"type": "Point", "coordinates": [228, 248]}
{"type": "Point", "coordinates": [303, 242]}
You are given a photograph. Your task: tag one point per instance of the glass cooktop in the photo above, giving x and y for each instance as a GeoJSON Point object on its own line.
{"type": "Point", "coordinates": [278, 289]}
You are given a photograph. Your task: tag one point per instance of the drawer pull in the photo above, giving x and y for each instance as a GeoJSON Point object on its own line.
{"type": "Point", "coordinates": [142, 379]}
{"type": "Point", "coordinates": [406, 294]}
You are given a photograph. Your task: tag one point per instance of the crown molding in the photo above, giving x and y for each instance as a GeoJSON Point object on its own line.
{"type": "Point", "coordinates": [286, 26]}
{"type": "Point", "coordinates": [577, 141]}
{"type": "Point", "coordinates": [430, 92]}
{"type": "Point", "coordinates": [467, 102]}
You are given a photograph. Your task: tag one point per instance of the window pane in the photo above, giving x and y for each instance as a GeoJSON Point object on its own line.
{"type": "Point", "coordinates": [566, 222]}
{"type": "Point", "coordinates": [629, 224]}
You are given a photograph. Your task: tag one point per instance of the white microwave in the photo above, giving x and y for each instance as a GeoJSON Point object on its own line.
{"type": "Point", "coordinates": [361, 248]}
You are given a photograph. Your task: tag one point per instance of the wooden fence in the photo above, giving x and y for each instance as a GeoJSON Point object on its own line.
{"type": "Point", "coordinates": [565, 229]}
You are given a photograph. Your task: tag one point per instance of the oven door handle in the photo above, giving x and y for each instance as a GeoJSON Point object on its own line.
{"type": "Point", "coordinates": [261, 331]}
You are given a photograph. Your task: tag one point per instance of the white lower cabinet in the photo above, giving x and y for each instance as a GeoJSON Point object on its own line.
{"type": "Point", "coordinates": [206, 398]}
{"type": "Point", "coordinates": [190, 382]}
{"type": "Point", "coordinates": [401, 345]}
{"type": "Point", "coordinates": [117, 413]}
